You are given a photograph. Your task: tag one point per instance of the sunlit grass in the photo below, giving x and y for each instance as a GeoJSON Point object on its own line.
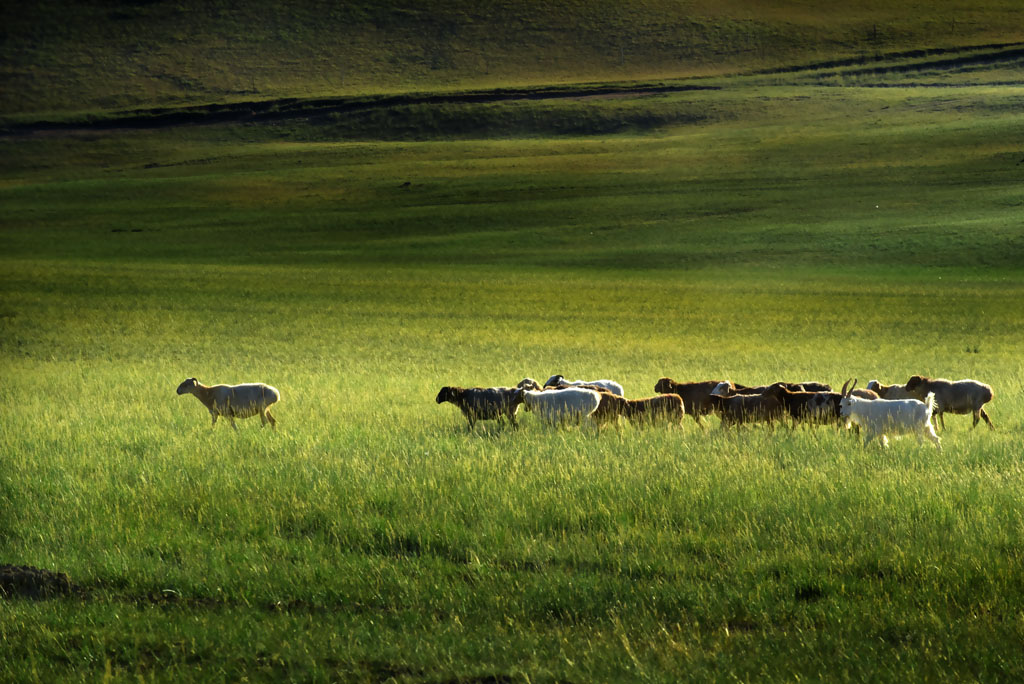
{"type": "Point", "coordinates": [372, 536]}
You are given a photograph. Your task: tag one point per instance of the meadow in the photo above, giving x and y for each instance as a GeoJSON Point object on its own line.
{"type": "Point", "coordinates": [770, 229]}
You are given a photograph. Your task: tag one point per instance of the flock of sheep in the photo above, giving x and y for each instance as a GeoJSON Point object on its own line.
{"type": "Point", "coordinates": [880, 410]}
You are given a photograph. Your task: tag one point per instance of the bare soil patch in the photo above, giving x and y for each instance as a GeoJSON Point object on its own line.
{"type": "Point", "coordinates": [35, 583]}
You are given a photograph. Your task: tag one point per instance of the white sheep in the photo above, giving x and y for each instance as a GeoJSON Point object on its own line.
{"type": "Point", "coordinates": [234, 401]}
{"type": "Point", "coordinates": [881, 417]}
{"type": "Point", "coordinates": [572, 404]}
{"type": "Point", "coordinates": [610, 385]}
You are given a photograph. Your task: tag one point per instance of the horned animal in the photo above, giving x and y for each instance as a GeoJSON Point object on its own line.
{"type": "Point", "coordinates": [824, 406]}
{"type": "Point", "coordinates": [883, 417]}
{"type": "Point", "coordinates": [234, 401]}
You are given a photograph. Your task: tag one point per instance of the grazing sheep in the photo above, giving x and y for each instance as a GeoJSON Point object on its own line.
{"type": "Point", "coordinates": [610, 385]}
{"type": "Point", "coordinates": [610, 408]}
{"type": "Point", "coordinates": [664, 406]}
{"type": "Point", "coordinates": [234, 401]}
{"type": "Point", "coordinates": [571, 404]}
{"type": "Point", "coordinates": [890, 391]}
{"type": "Point", "coordinates": [749, 408]}
{"type": "Point", "coordinates": [696, 396]}
{"type": "Point", "coordinates": [962, 396]}
{"type": "Point", "coordinates": [484, 403]}
{"type": "Point", "coordinates": [883, 417]}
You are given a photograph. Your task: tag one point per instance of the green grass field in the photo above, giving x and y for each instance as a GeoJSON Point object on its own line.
{"type": "Point", "coordinates": [803, 225]}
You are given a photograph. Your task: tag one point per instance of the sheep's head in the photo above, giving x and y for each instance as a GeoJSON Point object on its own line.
{"type": "Point", "coordinates": [723, 389]}
{"type": "Point", "coordinates": [875, 386]}
{"type": "Point", "coordinates": [554, 380]}
{"type": "Point", "coordinates": [663, 386]}
{"type": "Point", "coordinates": [528, 383]}
{"type": "Point", "coordinates": [914, 382]}
{"type": "Point", "coordinates": [187, 386]}
{"type": "Point", "coordinates": [446, 394]}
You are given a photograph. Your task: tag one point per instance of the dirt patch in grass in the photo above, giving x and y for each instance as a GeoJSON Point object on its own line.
{"type": "Point", "coordinates": [35, 583]}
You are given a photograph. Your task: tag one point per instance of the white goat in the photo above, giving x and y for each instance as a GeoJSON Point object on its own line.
{"type": "Point", "coordinates": [571, 404]}
{"type": "Point", "coordinates": [610, 385]}
{"type": "Point", "coordinates": [234, 401]}
{"type": "Point", "coordinates": [882, 417]}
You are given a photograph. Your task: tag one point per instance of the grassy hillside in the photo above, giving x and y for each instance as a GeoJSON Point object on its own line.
{"type": "Point", "coordinates": [854, 215]}
{"type": "Point", "coordinates": [59, 56]}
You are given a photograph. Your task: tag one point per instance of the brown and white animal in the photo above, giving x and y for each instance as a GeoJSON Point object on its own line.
{"type": "Point", "coordinates": [484, 403]}
{"type": "Point", "coordinates": [234, 401]}
{"type": "Point", "coordinates": [961, 396]}
{"type": "Point", "coordinates": [749, 408]}
{"type": "Point", "coordinates": [883, 417]}
{"type": "Point", "coordinates": [696, 396]}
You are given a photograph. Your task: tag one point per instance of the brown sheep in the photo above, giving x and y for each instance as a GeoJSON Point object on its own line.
{"type": "Point", "coordinates": [749, 408]}
{"type": "Point", "coordinates": [961, 396]}
{"type": "Point", "coordinates": [696, 396]}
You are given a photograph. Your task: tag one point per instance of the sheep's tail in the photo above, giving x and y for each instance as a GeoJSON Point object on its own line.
{"type": "Point", "coordinates": [929, 402]}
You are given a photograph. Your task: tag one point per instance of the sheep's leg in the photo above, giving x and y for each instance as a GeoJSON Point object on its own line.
{"type": "Point", "coordinates": [214, 415]}
{"type": "Point", "coordinates": [868, 437]}
{"type": "Point", "coordinates": [943, 421]}
{"type": "Point", "coordinates": [930, 434]}
{"type": "Point", "coordinates": [270, 418]}
{"type": "Point", "coordinates": [985, 416]}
